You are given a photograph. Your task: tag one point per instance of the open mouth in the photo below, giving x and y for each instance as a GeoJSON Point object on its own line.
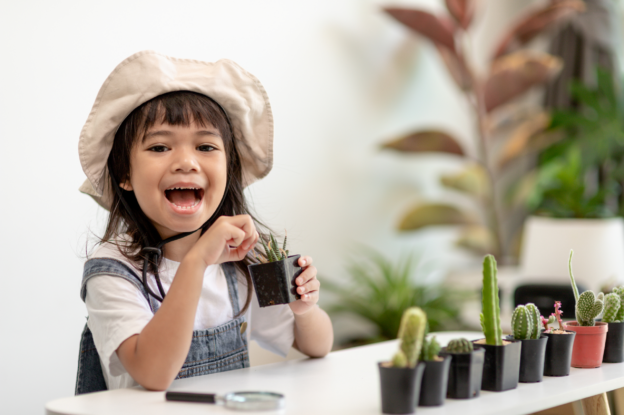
{"type": "Point", "coordinates": [184, 197]}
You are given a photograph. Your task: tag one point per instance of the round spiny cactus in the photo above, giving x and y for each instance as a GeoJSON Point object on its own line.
{"type": "Point", "coordinates": [588, 307]}
{"type": "Point", "coordinates": [459, 346]}
{"type": "Point", "coordinates": [521, 323]}
{"type": "Point", "coordinates": [536, 319]}
{"type": "Point", "coordinates": [611, 307]}
{"type": "Point", "coordinates": [620, 314]}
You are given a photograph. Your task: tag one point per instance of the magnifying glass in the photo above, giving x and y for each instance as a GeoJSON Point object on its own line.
{"type": "Point", "coordinates": [238, 401]}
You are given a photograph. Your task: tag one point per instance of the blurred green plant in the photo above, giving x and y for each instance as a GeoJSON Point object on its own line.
{"type": "Point", "coordinates": [582, 175]}
{"type": "Point", "coordinates": [378, 292]}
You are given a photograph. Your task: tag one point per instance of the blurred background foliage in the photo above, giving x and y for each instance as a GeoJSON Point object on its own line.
{"type": "Point", "coordinates": [377, 291]}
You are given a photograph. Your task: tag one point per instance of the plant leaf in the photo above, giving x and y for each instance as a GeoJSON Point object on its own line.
{"type": "Point", "coordinates": [426, 142]}
{"type": "Point", "coordinates": [472, 180]}
{"type": "Point", "coordinates": [514, 74]}
{"type": "Point", "coordinates": [477, 239]}
{"type": "Point", "coordinates": [518, 143]}
{"type": "Point", "coordinates": [434, 214]}
{"type": "Point", "coordinates": [457, 68]}
{"type": "Point", "coordinates": [462, 11]}
{"type": "Point", "coordinates": [438, 29]}
{"type": "Point", "coordinates": [537, 21]}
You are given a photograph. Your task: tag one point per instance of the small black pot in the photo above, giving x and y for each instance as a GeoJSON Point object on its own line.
{"type": "Point", "coordinates": [274, 282]}
{"type": "Point", "coordinates": [400, 388]}
{"type": "Point", "coordinates": [532, 355]}
{"type": "Point", "coordinates": [434, 382]}
{"type": "Point", "coordinates": [465, 373]}
{"type": "Point", "coordinates": [614, 347]}
{"type": "Point", "coordinates": [558, 353]}
{"type": "Point", "coordinates": [501, 366]}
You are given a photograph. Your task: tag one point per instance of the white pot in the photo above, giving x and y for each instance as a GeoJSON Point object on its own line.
{"type": "Point", "coordinates": [598, 246]}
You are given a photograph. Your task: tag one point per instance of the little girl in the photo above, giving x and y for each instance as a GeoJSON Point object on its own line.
{"type": "Point", "coordinates": [168, 148]}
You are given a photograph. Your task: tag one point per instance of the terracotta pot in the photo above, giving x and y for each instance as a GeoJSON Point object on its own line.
{"type": "Point", "coordinates": [589, 344]}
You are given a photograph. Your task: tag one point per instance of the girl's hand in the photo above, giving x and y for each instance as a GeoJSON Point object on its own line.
{"type": "Point", "coordinates": [307, 286]}
{"type": "Point", "coordinates": [230, 238]}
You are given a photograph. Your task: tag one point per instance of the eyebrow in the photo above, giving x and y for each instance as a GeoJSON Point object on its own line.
{"type": "Point", "coordinates": [168, 133]}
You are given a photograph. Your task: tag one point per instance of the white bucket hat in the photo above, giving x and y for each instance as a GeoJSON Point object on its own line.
{"type": "Point", "coordinates": [148, 74]}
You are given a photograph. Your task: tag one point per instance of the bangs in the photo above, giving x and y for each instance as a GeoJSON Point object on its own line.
{"type": "Point", "coordinates": [181, 108]}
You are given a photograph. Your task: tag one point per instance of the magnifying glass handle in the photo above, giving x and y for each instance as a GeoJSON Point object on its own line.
{"type": "Point", "coordinates": [191, 397]}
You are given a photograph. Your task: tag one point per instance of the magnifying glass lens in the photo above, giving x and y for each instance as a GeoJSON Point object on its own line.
{"type": "Point", "coordinates": [254, 401]}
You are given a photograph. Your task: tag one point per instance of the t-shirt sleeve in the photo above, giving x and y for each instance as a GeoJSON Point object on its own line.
{"type": "Point", "coordinates": [273, 328]}
{"type": "Point", "coordinates": [117, 310]}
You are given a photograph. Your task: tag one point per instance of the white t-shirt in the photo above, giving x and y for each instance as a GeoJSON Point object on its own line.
{"type": "Point", "coordinates": [118, 310]}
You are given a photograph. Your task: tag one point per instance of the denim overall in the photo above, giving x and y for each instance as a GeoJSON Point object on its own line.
{"type": "Point", "coordinates": [212, 350]}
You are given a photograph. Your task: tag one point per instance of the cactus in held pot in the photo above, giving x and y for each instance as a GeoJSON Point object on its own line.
{"type": "Point", "coordinates": [588, 304]}
{"type": "Point", "coordinates": [620, 314]}
{"type": "Point", "coordinates": [611, 307]}
{"type": "Point", "coordinates": [459, 346]}
{"type": "Point", "coordinates": [490, 316]}
{"type": "Point", "coordinates": [411, 333]}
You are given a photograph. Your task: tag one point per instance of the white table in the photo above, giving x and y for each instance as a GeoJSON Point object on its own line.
{"type": "Point", "coordinates": [344, 382]}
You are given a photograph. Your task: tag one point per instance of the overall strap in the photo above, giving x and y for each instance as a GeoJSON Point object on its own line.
{"type": "Point", "coordinates": [229, 269]}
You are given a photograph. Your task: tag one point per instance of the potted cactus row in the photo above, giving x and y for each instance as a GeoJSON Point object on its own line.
{"type": "Point", "coordinates": [466, 369]}
{"type": "Point", "coordinates": [274, 274]}
{"type": "Point", "coordinates": [559, 346]}
{"type": "Point", "coordinates": [614, 317]}
{"type": "Point", "coordinates": [590, 338]}
{"type": "Point", "coordinates": [526, 324]}
{"type": "Point", "coordinates": [435, 376]}
{"type": "Point", "coordinates": [501, 365]}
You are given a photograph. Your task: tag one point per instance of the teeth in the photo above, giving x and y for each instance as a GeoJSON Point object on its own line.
{"type": "Point", "coordinates": [184, 188]}
{"type": "Point", "coordinates": [187, 207]}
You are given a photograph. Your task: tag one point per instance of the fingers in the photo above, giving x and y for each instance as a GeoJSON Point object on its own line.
{"type": "Point", "coordinates": [308, 285]}
{"type": "Point", "coordinates": [304, 261]}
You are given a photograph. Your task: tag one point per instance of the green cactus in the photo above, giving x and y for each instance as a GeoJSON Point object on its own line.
{"type": "Point", "coordinates": [459, 346]}
{"type": "Point", "coordinates": [399, 359]}
{"type": "Point", "coordinates": [588, 305]}
{"type": "Point", "coordinates": [620, 314]}
{"type": "Point", "coordinates": [521, 323]}
{"type": "Point", "coordinates": [272, 251]}
{"type": "Point", "coordinates": [536, 317]}
{"type": "Point", "coordinates": [411, 333]}
{"type": "Point", "coordinates": [430, 349]}
{"type": "Point", "coordinates": [611, 307]}
{"type": "Point", "coordinates": [490, 316]}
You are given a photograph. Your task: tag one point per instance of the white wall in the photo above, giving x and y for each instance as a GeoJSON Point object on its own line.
{"type": "Point", "coordinates": [341, 76]}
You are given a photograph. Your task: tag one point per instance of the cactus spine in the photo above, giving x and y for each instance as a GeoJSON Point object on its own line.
{"type": "Point", "coordinates": [430, 349]}
{"type": "Point", "coordinates": [272, 251]}
{"type": "Point", "coordinates": [411, 333]}
{"type": "Point", "coordinates": [611, 307]}
{"type": "Point", "coordinates": [521, 323]}
{"type": "Point", "coordinates": [620, 314]}
{"type": "Point", "coordinates": [490, 316]}
{"type": "Point", "coordinates": [536, 330]}
{"type": "Point", "coordinates": [588, 305]}
{"type": "Point", "coordinates": [459, 346]}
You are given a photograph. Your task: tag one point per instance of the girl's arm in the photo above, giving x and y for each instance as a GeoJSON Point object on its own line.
{"type": "Point", "coordinates": [154, 357]}
{"type": "Point", "coordinates": [314, 334]}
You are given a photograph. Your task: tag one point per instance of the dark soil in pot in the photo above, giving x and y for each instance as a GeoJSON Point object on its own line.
{"type": "Point", "coordinates": [274, 282]}
{"type": "Point", "coordinates": [589, 344]}
{"type": "Point", "coordinates": [465, 372]}
{"type": "Point", "coordinates": [400, 388]}
{"type": "Point", "coordinates": [501, 366]}
{"type": "Point", "coordinates": [614, 346]}
{"type": "Point", "coordinates": [558, 353]}
{"type": "Point", "coordinates": [434, 382]}
{"type": "Point", "coordinates": [532, 355]}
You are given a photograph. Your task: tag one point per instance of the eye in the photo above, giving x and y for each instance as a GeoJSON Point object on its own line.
{"type": "Point", "coordinates": [158, 149]}
{"type": "Point", "coordinates": [206, 147]}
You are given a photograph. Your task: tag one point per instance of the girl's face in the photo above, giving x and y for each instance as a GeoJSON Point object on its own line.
{"type": "Point", "coordinates": [178, 175]}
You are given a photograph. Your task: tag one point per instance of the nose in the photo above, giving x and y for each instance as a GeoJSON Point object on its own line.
{"type": "Point", "coordinates": [185, 162]}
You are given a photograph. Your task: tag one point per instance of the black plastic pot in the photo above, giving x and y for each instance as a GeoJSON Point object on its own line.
{"type": "Point", "coordinates": [434, 382]}
{"type": "Point", "coordinates": [558, 353]}
{"type": "Point", "coordinates": [274, 282]}
{"type": "Point", "coordinates": [501, 366]}
{"type": "Point", "coordinates": [465, 372]}
{"type": "Point", "coordinates": [614, 347]}
{"type": "Point", "coordinates": [400, 388]}
{"type": "Point", "coordinates": [532, 354]}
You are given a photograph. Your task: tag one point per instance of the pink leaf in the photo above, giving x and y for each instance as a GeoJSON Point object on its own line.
{"type": "Point", "coordinates": [439, 30]}
{"type": "Point", "coordinates": [462, 11]}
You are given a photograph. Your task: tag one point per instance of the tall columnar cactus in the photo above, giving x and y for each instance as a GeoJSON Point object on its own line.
{"type": "Point", "coordinates": [459, 346]}
{"type": "Point", "coordinates": [588, 304]}
{"type": "Point", "coordinates": [490, 316]}
{"type": "Point", "coordinates": [536, 330]}
{"type": "Point", "coordinates": [611, 307]}
{"type": "Point", "coordinates": [411, 333]}
{"type": "Point", "coordinates": [430, 349]}
{"type": "Point", "coordinates": [620, 292]}
{"type": "Point", "coordinates": [521, 323]}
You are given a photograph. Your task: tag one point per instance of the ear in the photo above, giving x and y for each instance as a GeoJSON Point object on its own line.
{"type": "Point", "coordinates": [126, 185]}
